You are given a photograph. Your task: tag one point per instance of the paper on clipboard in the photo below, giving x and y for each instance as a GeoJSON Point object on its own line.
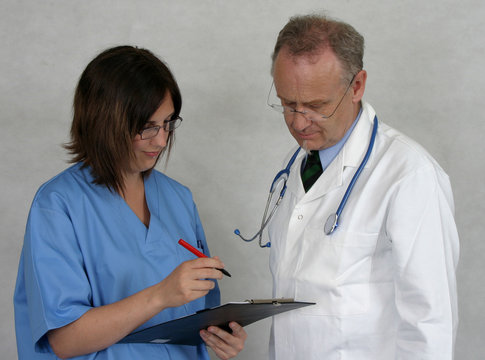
{"type": "Point", "coordinates": [185, 330]}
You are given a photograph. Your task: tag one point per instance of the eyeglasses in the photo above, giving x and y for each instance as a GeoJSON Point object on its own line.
{"type": "Point", "coordinates": [309, 114]}
{"type": "Point", "coordinates": [152, 131]}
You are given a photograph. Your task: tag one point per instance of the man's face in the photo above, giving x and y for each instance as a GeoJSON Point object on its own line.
{"type": "Point", "coordinates": [314, 82]}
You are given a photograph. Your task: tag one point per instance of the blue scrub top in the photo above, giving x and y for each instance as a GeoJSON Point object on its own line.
{"type": "Point", "coordinates": [84, 247]}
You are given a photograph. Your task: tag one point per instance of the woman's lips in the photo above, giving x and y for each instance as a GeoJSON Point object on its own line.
{"type": "Point", "coordinates": [152, 153]}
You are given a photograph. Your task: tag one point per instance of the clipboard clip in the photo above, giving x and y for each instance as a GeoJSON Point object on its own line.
{"type": "Point", "coordinates": [276, 301]}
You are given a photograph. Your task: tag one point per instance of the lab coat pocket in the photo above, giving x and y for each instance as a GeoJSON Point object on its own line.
{"type": "Point", "coordinates": [334, 271]}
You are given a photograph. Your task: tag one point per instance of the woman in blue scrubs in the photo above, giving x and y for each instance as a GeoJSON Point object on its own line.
{"type": "Point", "coordinates": [100, 256]}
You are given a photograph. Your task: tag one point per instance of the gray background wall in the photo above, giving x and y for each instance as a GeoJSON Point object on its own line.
{"type": "Point", "coordinates": [425, 77]}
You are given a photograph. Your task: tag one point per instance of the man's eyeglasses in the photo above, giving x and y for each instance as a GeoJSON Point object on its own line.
{"type": "Point", "coordinates": [309, 114]}
{"type": "Point", "coordinates": [151, 132]}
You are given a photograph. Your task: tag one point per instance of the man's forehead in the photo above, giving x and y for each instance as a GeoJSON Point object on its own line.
{"type": "Point", "coordinates": [312, 56]}
{"type": "Point", "coordinates": [325, 59]}
{"type": "Point", "coordinates": [306, 69]}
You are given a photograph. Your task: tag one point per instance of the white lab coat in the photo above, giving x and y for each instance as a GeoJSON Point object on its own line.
{"type": "Point", "coordinates": [384, 281]}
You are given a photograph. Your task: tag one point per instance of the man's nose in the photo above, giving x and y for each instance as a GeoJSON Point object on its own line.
{"type": "Point", "coordinates": [300, 120]}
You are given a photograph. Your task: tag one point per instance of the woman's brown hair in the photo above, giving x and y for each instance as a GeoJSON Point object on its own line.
{"type": "Point", "coordinates": [116, 95]}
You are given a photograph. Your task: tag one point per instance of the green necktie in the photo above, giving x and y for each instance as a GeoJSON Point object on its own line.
{"type": "Point", "coordinates": [312, 170]}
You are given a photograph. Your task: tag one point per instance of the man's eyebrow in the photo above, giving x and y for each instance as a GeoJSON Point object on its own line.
{"type": "Point", "coordinates": [307, 103]}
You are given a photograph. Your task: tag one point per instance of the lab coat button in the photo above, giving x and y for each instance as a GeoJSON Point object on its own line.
{"type": "Point", "coordinates": [300, 217]}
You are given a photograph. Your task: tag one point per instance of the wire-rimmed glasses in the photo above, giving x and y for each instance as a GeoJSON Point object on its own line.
{"type": "Point", "coordinates": [309, 114]}
{"type": "Point", "coordinates": [152, 131]}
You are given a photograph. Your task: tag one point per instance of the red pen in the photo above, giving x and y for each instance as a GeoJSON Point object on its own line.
{"type": "Point", "coordinates": [197, 253]}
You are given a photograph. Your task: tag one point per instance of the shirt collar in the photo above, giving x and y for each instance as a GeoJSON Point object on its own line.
{"type": "Point", "coordinates": [327, 155]}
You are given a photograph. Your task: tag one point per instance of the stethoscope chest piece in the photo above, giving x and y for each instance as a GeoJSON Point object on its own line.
{"type": "Point", "coordinates": [331, 224]}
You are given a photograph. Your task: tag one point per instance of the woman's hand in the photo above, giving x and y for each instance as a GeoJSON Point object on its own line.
{"type": "Point", "coordinates": [189, 281]}
{"type": "Point", "coordinates": [105, 325]}
{"type": "Point", "coordinates": [224, 344]}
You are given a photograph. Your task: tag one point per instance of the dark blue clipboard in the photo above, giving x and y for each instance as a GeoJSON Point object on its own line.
{"type": "Point", "coordinates": [185, 330]}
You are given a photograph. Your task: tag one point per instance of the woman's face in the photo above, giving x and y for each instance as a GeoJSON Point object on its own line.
{"type": "Point", "coordinates": [147, 151]}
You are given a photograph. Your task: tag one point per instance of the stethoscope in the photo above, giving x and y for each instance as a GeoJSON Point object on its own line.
{"type": "Point", "coordinates": [333, 220]}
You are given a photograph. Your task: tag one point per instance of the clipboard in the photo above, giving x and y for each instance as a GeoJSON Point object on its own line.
{"type": "Point", "coordinates": [185, 330]}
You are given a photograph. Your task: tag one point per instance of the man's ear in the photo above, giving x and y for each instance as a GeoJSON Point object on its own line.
{"type": "Point", "coordinates": [358, 86]}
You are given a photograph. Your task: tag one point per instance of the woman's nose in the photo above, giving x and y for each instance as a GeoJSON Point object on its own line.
{"type": "Point", "coordinates": [161, 138]}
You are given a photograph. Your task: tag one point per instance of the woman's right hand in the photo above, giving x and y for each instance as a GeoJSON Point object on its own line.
{"type": "Point", "coordinates": [189, 281]}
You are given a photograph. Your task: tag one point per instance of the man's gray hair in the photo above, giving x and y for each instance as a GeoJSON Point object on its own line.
{"type": "Point", "coordinates": [309, 34]}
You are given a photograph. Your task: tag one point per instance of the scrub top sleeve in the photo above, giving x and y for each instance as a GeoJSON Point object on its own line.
{"type": "Point", "coordinates": [425, 244]}
{"type": "Point", "coordinates": [57, 287]}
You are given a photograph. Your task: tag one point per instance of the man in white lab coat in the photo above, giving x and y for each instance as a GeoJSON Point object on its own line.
{"type": "Point", "coordinates": [384, 280]}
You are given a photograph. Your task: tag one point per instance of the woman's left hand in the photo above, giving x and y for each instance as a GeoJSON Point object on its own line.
{"type": "Point", "coordinates": [224, 344]}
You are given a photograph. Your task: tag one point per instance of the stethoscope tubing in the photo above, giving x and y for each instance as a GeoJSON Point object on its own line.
{"type": "Point", "coordinates": [333, 219]}
{"type": "Point", "coordinates": [359, 170]}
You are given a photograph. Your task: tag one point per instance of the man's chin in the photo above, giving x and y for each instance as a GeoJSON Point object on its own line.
{"type": "Point", "coordinates": [308, 145]}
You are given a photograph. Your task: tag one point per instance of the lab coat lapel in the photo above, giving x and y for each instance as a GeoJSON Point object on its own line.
{"type": "Point", "coordinates": [330, 179]}
{"type": "Point", "coordinates": [358, 142]}
{"type": "Point", "coordinates": [294, 183]}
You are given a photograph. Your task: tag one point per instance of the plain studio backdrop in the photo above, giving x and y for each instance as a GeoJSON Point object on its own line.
{"type": "Point", "coordinates": [425, 77]}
